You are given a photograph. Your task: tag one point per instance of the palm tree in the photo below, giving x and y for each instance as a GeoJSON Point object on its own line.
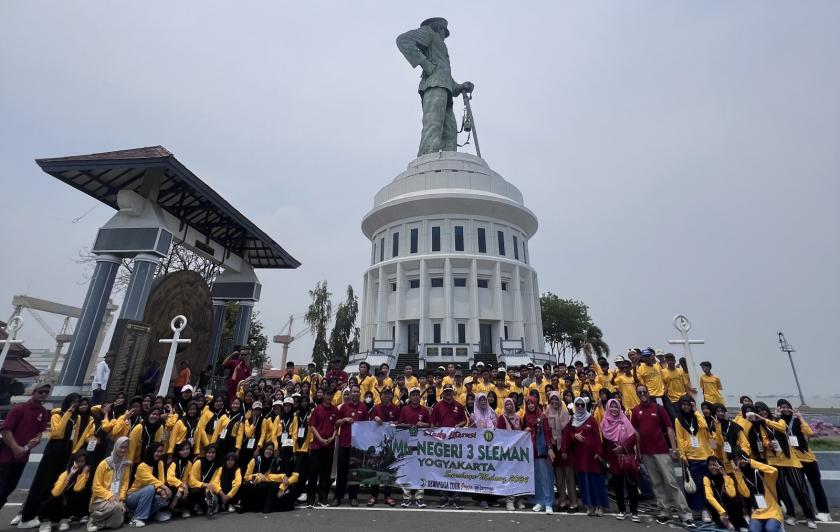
{"type": "Point", "coordinates": [595, 338]}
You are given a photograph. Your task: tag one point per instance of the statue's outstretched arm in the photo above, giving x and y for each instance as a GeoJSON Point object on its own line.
{"type": "Point", "coordinates": [409, 44]}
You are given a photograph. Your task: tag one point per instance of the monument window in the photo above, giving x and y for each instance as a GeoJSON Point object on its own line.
{"type": "Point", "coordinates": [414, 235]}
{"type": "Point", "coordinates": [460, 281]}
{"type": "Point", "coordinates": [381, 249]}
{"type": "Point", "coordinates": [504, 286]}
{"type": "Point", "coordinates": [437, 282]}
{"type": "Point", "coordinates": [393, 287]}
{"type": "Point", "coordinates": [436, 333]}
{"type": "Point", "coordinates": [506, 333]}
{"type": "Point", "coordinates": [524, 252]}
{"type": "Point", "coordinates": [501, 243]}
{"type": "Point", "coordinates": [482, 241]}
{"type": "Point", "coordinates": [462, 333]}
{"type": "Point", "coordinates": [515, 248]}
{"type": "Point", "coordinates": [395, 244]}
{"type": "Point", "coordinates": [483, 283]}
{"type": "Point", "coordinates": [414, 283]}
{"type": "Point", "coordinates": [435, 238]}
{"type": "Point", "coordinates": [459, 238]}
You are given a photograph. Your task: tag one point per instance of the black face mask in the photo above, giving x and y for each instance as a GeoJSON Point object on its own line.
{"type": "Point", "coordinates": [319, 400]}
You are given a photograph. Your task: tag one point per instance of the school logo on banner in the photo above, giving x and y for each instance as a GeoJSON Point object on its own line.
{"type": "Point", "coordinates": [494, 462]}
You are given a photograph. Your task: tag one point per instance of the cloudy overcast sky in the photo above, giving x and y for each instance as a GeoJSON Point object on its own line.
{"type": "Point", "coordinates": [681, 157]}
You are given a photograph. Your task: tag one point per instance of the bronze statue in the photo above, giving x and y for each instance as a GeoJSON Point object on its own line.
{"type": "Point", "coordinates": [425, 47]}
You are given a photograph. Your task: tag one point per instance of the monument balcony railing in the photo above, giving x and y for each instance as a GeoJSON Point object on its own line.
{"type": "Point", "coordinates": [448, 352]}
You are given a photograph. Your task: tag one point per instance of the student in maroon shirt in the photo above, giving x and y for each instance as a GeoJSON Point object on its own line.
{"type": "Point", "coordinates": [322, 425]}
{"type": "Point", "coordinates": [384, 412]}
{"type": "Point", "coordinates": [349, 413]}
{"type": "Point", "coordinates": [336, 372]}
{"type": "Point", "coordinates": [414, 415]}
{"type": "Point", "coordinates": [652, 422]}
{"type": "Point", "coordinates": [449, 413]}
{"type": "Point", "coordinates": [21, 432]}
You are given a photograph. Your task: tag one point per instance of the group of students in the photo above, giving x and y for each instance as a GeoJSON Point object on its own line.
{"type": "Point", "coordinates": [269, 447]}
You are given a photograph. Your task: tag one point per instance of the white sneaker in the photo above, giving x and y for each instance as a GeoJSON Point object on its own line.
{"type": "Point", "coordinates": [707, 517]}
{"type": "Point", "coordinates": [549, 510]}
{"type": "Point", "coordinates": [185, 514]}
{"type": "Point", "coordinates": [33, 523]}
{"type": "Point", "coordinates": [64, 524]}
{"type": "Point", "coordinates": [163, 516]}
{"type": "Point", "coordinates": [537, 508]}
{"type": "Point", "coordinates": [520, 505]}
{"type": "Point", "coordinates": [46, 526]}
{"type": "Point", "coordinates": [509, 506]}
{"type": "Point", "coordinates": [231, 509]}
{"type": "Point", "coordinates": [620, 516]}
{"type": "Point", "coordinates": [812, 525]}
{"type": "Point", "coordinates": [136, 523]}
{"type": "Point", "coordinates": [302, 497]}
{"type": "Point", "coordinates": [824, 517]}
{"type": "Point", "coordinates": [15, 520]}
{"type": "Point", "coordinates": [91, 527]}
{"type": "Point", "coordinates": [790, 521]}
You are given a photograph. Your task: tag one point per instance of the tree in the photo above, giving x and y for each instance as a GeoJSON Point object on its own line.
{"type": "Point", "coordinates": [567, 325]}
{"type": "Point", "coordinates": [341, 344]}
{"type": "Point", "coordinates": [318, 317]}
{"type": "Point", "coordinates": [257, 340]}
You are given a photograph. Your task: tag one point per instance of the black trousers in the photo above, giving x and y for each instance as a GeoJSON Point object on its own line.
{"type": "Point", "coordinates": [734, 506]}
{"type": "Point", "coordinates": [617, 483]}
{"type": "Point", "coordinates": [68, 504]}
{"type": "Point", "coordinates": [811, 470]}
{"type": "Point", "coordinates": [320, 467]}
{"type": "Point", "coordinates": [302, 467]}
{"type": "Point", "coordinates": [342, 471]}
{"type": "Point", "coordinates": [9, 477]}
{"type": "Point", "coordinates": [386, 491]}
{"type": "Point", "coordinates": [791, 479]}
{"type": "Point", "coordinates": [54, 460]}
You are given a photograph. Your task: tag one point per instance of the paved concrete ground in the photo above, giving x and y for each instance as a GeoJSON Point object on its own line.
{"type": "Point", "coordinates": [345, 519]}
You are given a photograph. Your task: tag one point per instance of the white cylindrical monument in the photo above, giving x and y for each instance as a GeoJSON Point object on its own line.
{"type": "Point", "coordinates": [450, 278]}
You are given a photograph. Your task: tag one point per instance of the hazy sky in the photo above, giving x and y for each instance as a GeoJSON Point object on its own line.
{"type": "Point", "coordinates": [681, 157]}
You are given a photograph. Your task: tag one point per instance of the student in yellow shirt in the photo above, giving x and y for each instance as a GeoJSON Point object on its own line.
{"type": "Point", "coordinates": [692, 436]}
{"type": "Point", "coordinates": [410, 380]}
{"type": "Point", "coordinates": [730, 436]}
{"type": "Point", "coordinates": [798, 433]}
{"type": "Point", "coordinates": [110, 488]}
{"type": "Point", "coordinates": [226, 483]}
{"type": "Point", "coordinates": [149, 431]}
{"type": "Point", "coordinates": [149, 495]}
{"type": "Point", "coordinates": [723, 492]}
{"type": "Point", "coordinates": [770, 436]}
{"type": "Point", "coordinates": [202, 493]}
{"type": "Point", "coordinates": [673, 377]}
{"type": "Point", "coordinates": [624, 382]}
{"type": "Point", "coordinates": [178, 476]}
{"type": "Point", "coordinates": [649, 374]}
{"type": "Point", "coordinates": [761, 480]}
{"type": "Point", "coordinates": [365, 379]}
{"type": "Point", "coordinates": [710, 384]}
{"type": "Point", "coordinates": [67, 498]}
{"type": "Point", "coordinates": [385, 369]}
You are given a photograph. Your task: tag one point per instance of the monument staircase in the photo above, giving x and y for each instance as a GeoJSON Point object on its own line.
{"type": "Point", "coordinates": [406, 359]}
{"type": "Point", "coordinates": [489, 359]}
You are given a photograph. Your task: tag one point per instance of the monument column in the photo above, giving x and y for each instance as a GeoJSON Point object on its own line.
{"type": "Point", "coordinates": [243, 323]}
{"type": "Point", "coordinates": [134, 304]}
{"type": "Point", "coordinates": [219, 315]}
{"type": "Point", "coordinates": [87, 328]}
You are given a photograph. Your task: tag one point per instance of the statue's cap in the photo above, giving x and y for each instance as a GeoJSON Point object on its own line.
{"type": "Point", "coordinates": [437, 21]}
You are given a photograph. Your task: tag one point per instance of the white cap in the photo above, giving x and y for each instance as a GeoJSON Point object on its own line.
{"type": "Point", "coordinates": [187, 387]}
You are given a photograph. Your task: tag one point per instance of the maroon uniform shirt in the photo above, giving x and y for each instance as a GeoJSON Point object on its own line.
{"type": "Point", "coordinates": [26, 421]}
{"type": "Point", "coordinates": [323, 419]}
{"type": "Point", "coordinates": [447, 414]}
{"type": "Point", "coordinates": [358, 412]}
{"type": "Point", "coordinates": [652, 421]}
{"type": "Point", "coordinates": [388, 414]}
{"type": "Point", "coordinates": [412, 415]}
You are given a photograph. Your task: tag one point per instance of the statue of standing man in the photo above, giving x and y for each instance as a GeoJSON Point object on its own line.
{"type": "Point", "coordinates": [425, 47]}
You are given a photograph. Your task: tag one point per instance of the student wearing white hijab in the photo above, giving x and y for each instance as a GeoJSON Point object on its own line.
{"type": "Point", "coordinates": [110, 488]}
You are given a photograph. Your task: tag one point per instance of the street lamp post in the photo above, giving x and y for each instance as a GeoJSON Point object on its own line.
{"type": "Point", "coordinates": [787, 348]}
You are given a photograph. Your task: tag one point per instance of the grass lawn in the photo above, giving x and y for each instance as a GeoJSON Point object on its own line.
{"type": "Point", "coordinates": [825, 444]}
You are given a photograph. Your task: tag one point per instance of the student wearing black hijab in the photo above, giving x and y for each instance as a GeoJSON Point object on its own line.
{"type": "Point", "coordinates": [202, 495]}
{"type": "Point", "coordinates": [724, 494]}
{"type": "Point", "coordinates": [798, 433]}
{"type": "Point", "coordinates": [229, 431]}
{"type": "Point", "coordinates": [227, 483]}
{"type": "Point", "coordinates": [178, 477]}
{"type": "Point", "coordinates": [257, 480]}
{"type": "Point", "coordinates": [63, 422]}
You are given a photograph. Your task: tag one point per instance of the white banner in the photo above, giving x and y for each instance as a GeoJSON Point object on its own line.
{"type": "Point", "coordinates": [495, 462]}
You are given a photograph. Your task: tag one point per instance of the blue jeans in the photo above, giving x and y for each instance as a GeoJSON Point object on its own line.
{"type": "Point", "coordinates": [144, 502]}
{"type": "Point", "coordinates": [765, 525]}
